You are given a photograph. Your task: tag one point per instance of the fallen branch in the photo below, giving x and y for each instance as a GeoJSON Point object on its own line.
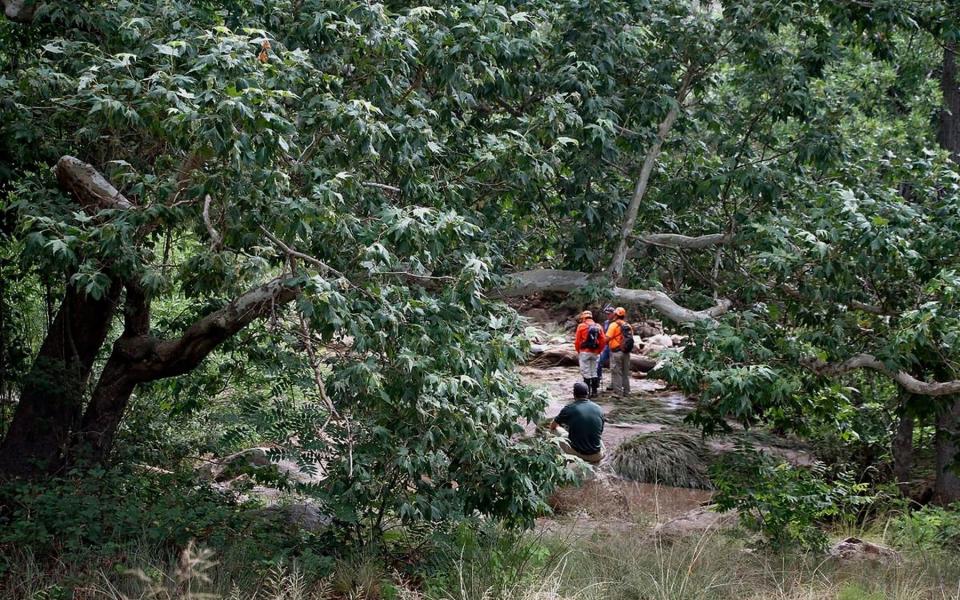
{"type": "Point", "coordinates": [526, 283]}
{"type": "Point", "coordinates": [868, 361]}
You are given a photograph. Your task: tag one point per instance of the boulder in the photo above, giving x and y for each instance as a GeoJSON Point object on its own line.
{"type": "Point", "coordinates": [856, 550]}
{"type": "Point", "coordinates": [538, 315]}
{"type": "Point", "coordinates": [660, 340]}
{"type": "Point", "coordinates": [652, 349]}
{"type": "Point", "coordinates": [648, 328]}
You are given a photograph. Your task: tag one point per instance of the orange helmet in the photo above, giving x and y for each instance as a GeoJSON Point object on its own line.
{"type": "Point", "coordinates": [586, 315]}
{"type": "Point", "coordinates": [620, 312]}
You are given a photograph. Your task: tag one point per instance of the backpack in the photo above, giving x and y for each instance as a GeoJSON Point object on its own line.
{"type": "Point", "coordinates": [593, 337]}
{"type": "Point", "coordinates": [626, 330]}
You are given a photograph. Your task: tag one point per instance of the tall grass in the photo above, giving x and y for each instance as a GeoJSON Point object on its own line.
{"type": "Point", "coordinates": [619, 565]}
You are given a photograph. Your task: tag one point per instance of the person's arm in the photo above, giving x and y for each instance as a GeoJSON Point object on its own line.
{"type": "Point", "coordinates": [560, 419]}
{"type": "Point", "coordinates": [578, 338]}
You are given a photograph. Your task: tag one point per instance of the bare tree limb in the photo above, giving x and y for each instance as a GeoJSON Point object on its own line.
{"type": "Point", "coordinates": [382, 186]}
{"type": "Point", "coordinates": [868, 361]}
{"type": "Point", "coordinates": [551, 280]}
{"type": "Point", "coordinates": [676, 240]}
{"type": "Point", "coordinates": [151, 359]}
{"type": "Point", "coordinates": [88, 186]}
{"type": "Point", "coordinates": [640, 189]}
{"type": "Point", "coordinates": [20, 11]}
{"type": "Point", "coordinates": [304, 257]}
{"type": "Point", "coordinates": [215, 239]}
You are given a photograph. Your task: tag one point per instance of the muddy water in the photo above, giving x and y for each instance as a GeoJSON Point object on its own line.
{"type": "Point", "coordinates": [558, 382]}
{"type": "Point", "coordinates": [610, 498]}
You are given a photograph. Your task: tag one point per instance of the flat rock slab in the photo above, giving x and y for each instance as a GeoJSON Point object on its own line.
{"type": "Point", "coordinates": [699, 520]}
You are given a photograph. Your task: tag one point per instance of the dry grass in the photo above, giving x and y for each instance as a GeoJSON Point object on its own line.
{"type": "Point", "coordinates": [673, 457]}
{"type": "Point", "coordinates": [620, 564]}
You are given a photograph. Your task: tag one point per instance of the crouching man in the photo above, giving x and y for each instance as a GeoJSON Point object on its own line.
{"type": "Point", "coordinates": [583, 421]}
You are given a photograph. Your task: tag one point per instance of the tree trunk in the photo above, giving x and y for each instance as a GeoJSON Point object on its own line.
{"type": "Point", "coordinates": [52, 397]}
{"type": "Point", "coordinates": [947, 486]}
{"type": "Point", "coordinates": [902, 448]}
{"type": "Point", "coordinates": [948, 132]}
{"type": "Point", "coordinates": [630, 218]}
{"type": "Point", "coordinates": [110, 397]}
{"type": "Point", "coordinates": [138, 357]}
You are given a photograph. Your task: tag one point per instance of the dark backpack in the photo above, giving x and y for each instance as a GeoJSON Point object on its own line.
{"type": "Point", "coordinates": [593, 337]}
{"type": "Point", "coordinates": [626, 330]}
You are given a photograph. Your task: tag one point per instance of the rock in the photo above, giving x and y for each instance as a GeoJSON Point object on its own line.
{"type": "Point", "coordinates": [660, 340]}
{"type": "Point", "coordinates": [648, 328]}
{"type": "Point", "coordinates": [856, 550]}
{"type": "Point", "coordinates": [212, 469]}
{"type": "Point", "coordinates": [538, 315]}
{"type": "Point", "coordinates": [677, 339]}
{"type": "Point", "coordinates": [698, 520]}
{"type": "Point", "coordinates": [304, 515]}
{"type": "Point", "coordinates": [652, 349]}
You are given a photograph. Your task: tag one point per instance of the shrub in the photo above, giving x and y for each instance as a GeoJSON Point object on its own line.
{"type": "Point", "coordinates": [97, 518]}
{"type": "Point", "coordinates": [931, 528]}
{"type": "Point", "coordinates": [783, 502]}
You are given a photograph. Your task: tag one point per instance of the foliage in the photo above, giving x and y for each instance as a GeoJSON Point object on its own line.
{"type": "Point", "coordinates": [785, 503]}
{"type": "Point", "coordinates": [391, 162]}
{"type": "Point", "coordinates": [483, 562]}
{"type": "Point", "coordinates": [931, 528]}
{"type": "Point", "coordinates": [96, 518]}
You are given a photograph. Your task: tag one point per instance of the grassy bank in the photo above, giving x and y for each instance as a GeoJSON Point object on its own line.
{"type": "Point", "coordinates": [465, 565]}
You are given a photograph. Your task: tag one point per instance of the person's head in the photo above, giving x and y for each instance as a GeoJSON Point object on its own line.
{"type": "Point", "coordinates": [580, 391]}
{"type": "Point", "coordinates": [585, 315]}
{"type": "Point", "coordinates": [620, 312]}
{"type": "Point", "coordinates": [608, 311]}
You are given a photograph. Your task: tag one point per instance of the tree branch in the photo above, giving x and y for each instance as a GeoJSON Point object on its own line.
{"type": "Point", "coordinates": [215, 238]}
{"type": "Point", "coordinates": [20, 11]}
{"type": "Point", "coordinates": [868, 361]}
{"type": "Point", "coordinates": [640, 189]}
{"type": "Point", "coordinates": [525, 283]}
{"type": "Point", "coordinates": [382, 186]}
{"type": "Point", "coordinates": [88, 186]}
{"type": "Point", "coordinates": [676, 240]}
{"type": "Point", "coordinates": [159, 359]}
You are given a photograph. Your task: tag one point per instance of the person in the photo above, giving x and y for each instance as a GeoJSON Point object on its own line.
{"type": "Point", "coordinates": [583, 421]}
{"type": "Point", "coordinates": [604, 359]}
{"type": "Point", "coordinates": [589, 343]}
{"type": "Point", "coordinates": [620, 342]}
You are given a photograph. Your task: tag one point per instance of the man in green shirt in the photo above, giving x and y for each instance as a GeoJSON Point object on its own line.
{"type": "Point", "coordinates": [583, 421]}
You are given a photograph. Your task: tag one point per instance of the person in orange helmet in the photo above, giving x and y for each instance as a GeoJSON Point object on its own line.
{"type": "Point", "coordinates": [589, 343]}
{"type": "Point", "coordinates": [620, 341]}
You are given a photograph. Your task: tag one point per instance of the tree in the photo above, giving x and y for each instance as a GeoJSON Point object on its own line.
{"type": "Point", "coordinates": [372, 169]}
